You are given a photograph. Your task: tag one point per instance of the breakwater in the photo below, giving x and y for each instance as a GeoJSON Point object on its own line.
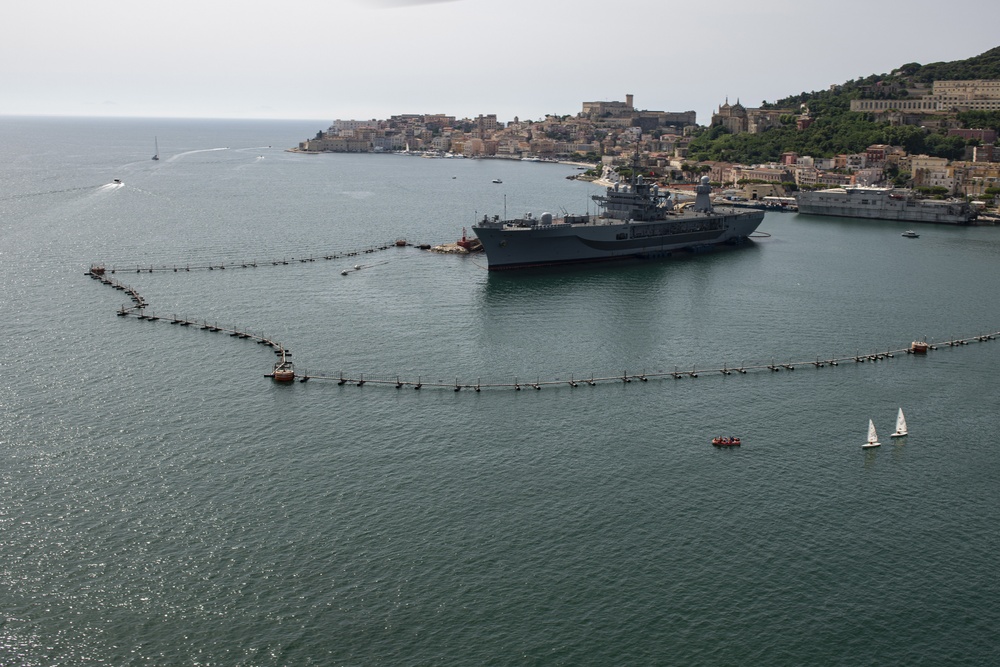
{"type": "Point", "coordinates": [284, 370]}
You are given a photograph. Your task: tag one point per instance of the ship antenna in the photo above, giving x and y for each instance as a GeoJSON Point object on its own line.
{"type": "Point", "coordinates": [635, 164]}
{"type": "Point", "coordinates": [505, 206]}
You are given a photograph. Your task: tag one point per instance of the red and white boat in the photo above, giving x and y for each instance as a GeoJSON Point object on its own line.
{"type": "Point", "coordinates": [472, 245]}
{"type": "Point", "coordinates": [726, 442]}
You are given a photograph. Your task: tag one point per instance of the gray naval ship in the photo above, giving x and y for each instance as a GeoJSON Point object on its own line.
{"type": "Point", "coordinates": [883, 204]}
{"type": "Point", "coordinates": [634, 220]}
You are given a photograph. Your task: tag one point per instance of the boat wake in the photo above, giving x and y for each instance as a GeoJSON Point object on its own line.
{"type": "Point", "coordinates": [174, 158]}
{"type": "Point", "coordinates": [357, 194]}
{"type": "Point", "coordinates": [46, 193]}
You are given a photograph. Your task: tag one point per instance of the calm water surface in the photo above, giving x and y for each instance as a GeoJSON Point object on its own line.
{"type": "Point", "coordinates": [164, 503]}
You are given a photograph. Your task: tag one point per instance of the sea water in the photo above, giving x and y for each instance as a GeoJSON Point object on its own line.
{"type": "Point", "coordinates": [165, 503]}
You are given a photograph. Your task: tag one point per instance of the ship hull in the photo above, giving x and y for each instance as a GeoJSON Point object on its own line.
{"type": "Point", "coordinates": [511, 247]}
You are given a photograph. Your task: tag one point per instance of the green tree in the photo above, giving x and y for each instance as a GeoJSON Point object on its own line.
{"type": "Point", "coordinates": [987, 120]}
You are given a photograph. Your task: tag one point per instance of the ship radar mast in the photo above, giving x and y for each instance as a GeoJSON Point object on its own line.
{"type": "Point", "coordinates": [636, 177]}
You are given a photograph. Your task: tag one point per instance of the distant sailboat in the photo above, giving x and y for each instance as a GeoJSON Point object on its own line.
{"type": "Point", "coordinates": [900, 425]}
{"type": "Point", "coordinates": [156, 155]}
{"type": "Point", "coordinates": [872, 436]}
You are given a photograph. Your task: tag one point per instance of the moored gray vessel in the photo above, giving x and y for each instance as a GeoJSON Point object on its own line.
{"type": "Point", "coordinates": [634, 220]}
{"type": "Point", "coordinates": [883, 204]}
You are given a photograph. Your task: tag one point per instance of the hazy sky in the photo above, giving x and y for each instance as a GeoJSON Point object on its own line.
{"type": "Point", "coordinates": [360, 59]}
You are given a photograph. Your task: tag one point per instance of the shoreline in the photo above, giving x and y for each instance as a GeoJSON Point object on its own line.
{"type": "Point", "coordinates": [426, 154]}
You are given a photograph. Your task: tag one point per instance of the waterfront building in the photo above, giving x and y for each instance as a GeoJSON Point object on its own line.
{"type": "Point", "coordinates": [624, 115]}
{"type": "Point", "coordinates": [875, 155]}
{"type": "Point", "coordinates": [334, 144]}
{"type": "Point", "coordinates": [931, 172]}
{"type": "Point", "coordinates": [988, 153]}
{"type": "Point", "coordinates": [732, 117]}
{"type": "Point", "coordinates": [925, 105]}
{"type": "Point", "coordinates": [597, 110]}
{"type": "Point", "coordinates": [855, 161]}
{"type": "Point", "coordinates": [758, 191]}
{"type": "Point", "coordinates": [869, 176]}
{"type": "Point", "coordinates": [671, 120]}
{"type": "Point", "coordinates": [945, 97]}
{"type": "Point", "coordinates": [974, 94]}
{"type": "Point", "coordinates": [769, 174]}
{"type": "Point", "coordinates": [441, 143]}
{"type": "Point", "coordinates": [975, 178]}
{"type": "Point", "coordinates": [984, 136]}
{"type": "Point", "coordinates": [341, 126]}
{"type": "Point", "coordinates": [737, 119]}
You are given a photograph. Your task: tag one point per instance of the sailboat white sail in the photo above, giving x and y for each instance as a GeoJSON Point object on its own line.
{"type": "Point", "coordinates": [156, 144]}
{"type": "Point", "coordinates": [900, 425]}
{"type": "Point", "coordinates": [872, 436]}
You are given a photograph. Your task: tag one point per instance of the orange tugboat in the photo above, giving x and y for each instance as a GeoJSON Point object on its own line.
{"type": "Point", "coordinates": [726, 442]}
{"type": "Point", "coordinates": [918, 347]}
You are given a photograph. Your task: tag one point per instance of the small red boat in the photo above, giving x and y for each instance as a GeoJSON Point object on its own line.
{"type": "Point", "coordinates": [726, 442]}
{"type": "Point", "coordinates": [918, 347]}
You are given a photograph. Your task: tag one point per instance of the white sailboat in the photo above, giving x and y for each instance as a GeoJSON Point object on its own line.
{"type": "Point", "coordinates": [156, 144]}
{"type": "Point", "coordinates": [872, 436]}
{"type": "Point", "coordinates": [900, 425]}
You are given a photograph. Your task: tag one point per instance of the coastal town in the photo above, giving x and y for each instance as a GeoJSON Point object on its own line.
{"type": "Point", "coordinates": [608, 133]}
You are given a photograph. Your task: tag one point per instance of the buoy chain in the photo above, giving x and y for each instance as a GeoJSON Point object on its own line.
{"type": "Point", "coordinates": [139, 311]}
{"type": "Point", "coordinates": [573, 382]}
{"type": "Point", "coordinates": [137, 267]}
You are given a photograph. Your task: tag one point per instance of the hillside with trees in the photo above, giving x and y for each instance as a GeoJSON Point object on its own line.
{"type": "Point", "coordinates": [837, 130]}
{"type": "Point", "coordinates": [983, 66]}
